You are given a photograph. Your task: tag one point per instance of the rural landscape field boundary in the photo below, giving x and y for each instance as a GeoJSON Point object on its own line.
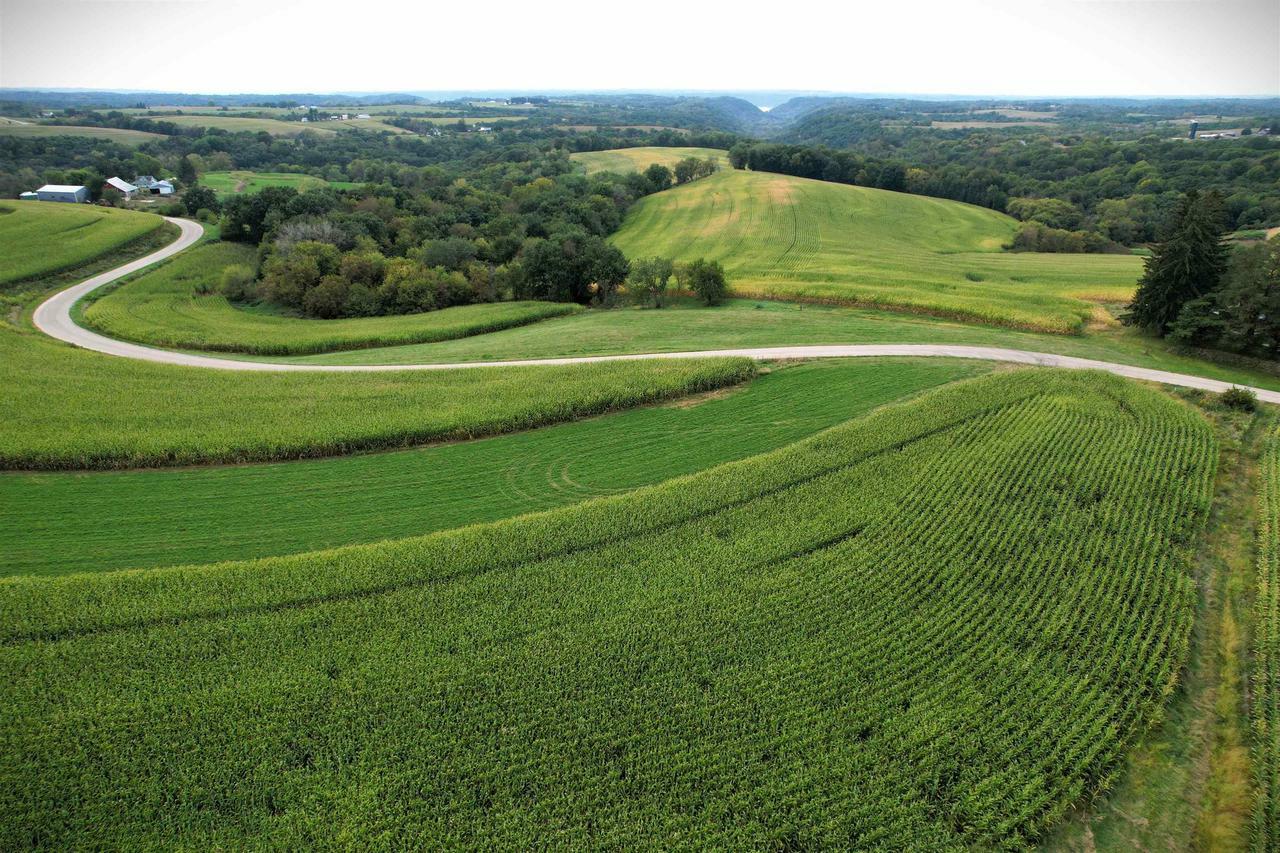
{"type": "Point", "coordinates": [53, 317]}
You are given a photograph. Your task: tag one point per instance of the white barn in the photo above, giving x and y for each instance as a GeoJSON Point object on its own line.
{"type": "Point", "coordinates": [121, 186]}
{"type": "Point", "coordinates": [63, 192]}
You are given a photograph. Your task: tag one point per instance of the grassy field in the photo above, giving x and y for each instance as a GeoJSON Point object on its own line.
{"type": "Point", "coordinates": [231, 183]}
{"type": "Point", "coordinates": [234, 124]}
{"type": "Point", "coordinates": [85, 410]}
{"type": "Point", "coordinates": [38, 238]}
{"type": "Point", "coordinates": [872, 638]}
{"type": "Point", "coordinates": [988, 125]}
{"type": "Point", "coordinates": [639, 159]}
{"type": "Point", "coordinates": [741, 323]}
{"type": "Point", "coordinates": [164, 307]}
{"type": "Point", "coordinates": [791, 238]}
{"type": "Point", "coordinates": [54, 523]}
{"type": "Point", "coordinates": [124, 137]}
{"type": "Point", "coordinates": [371, 124]}
{"type": "Point", "coordinates": [468, 119]}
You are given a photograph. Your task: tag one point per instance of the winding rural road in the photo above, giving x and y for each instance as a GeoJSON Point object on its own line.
{"type": "Point", "coordinates": [53, 317]}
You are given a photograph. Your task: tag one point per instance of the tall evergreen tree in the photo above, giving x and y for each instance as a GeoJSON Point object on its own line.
{"type": "Point", "coordinates": [1187, 265]}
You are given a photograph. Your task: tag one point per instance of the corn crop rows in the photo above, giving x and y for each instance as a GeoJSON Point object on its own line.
{"type": "Point", "coordinates": [1266, 662]}
{"type": "Point", "coordinates": [935, 627]}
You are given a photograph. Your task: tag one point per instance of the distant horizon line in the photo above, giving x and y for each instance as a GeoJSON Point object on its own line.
{"type": "Point", "coordinates": [694, 91]}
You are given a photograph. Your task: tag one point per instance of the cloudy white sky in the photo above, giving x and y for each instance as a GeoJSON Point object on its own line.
{"type": "Point", "coordinates": [998, 47]}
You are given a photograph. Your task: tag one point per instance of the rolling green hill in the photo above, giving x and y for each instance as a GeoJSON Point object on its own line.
{"type": "Point", "coordinates": [639, 159]}
{"type": "Point", "coordinates": [791, 238]}
{"type": "Point", "coordinates": [176, 305]}
{"type": "Point", "coordinates": [873, 638]}
{"type": "Point", "coordinates": [114, 134]}
{"type": "Point", "coordinates": [39, 237]}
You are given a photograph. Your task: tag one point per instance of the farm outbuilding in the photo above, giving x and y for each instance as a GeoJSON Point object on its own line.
{"type": "Point", "coordinates": [148, 183]}
{"type": "Point", "coordinates": [28, 196]}
{"type": "Point", "coordinates": [121, 186]}
{"type": "Point", "coordinates": [63, 192]}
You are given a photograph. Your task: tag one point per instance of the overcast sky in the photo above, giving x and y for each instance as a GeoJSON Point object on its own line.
{"type": "Point", "coordinates": [997, 47]}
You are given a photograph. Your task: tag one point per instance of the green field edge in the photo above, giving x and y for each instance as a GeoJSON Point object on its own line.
{"type": "Point", "coordinates": [1125, 347]}
{"type": "Point", "coordinates": [24, 295]}
{"type": "Point", "coordinates": [115, 527]}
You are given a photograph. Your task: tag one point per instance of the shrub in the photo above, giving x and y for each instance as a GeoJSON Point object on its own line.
{"type": "Point", "coordinates": [237, 283]}
{"type": "Point", "coordinates": [703, 278]}
{"type": "Point", "coordinates": [1240, 399]}
{"type": "Point", "coordinates": [328, 299]}
{"type": "Point", "coordinates": [648, 279]}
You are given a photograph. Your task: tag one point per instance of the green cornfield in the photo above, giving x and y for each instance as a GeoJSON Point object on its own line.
{"type": "Point", "coordinates": [937, 626]}
{"type": "Point", "coordinates": [177, 305]}
{"type": "Point", "coordinates": [39, 238]}
{"type": "Point", "coordinates": [58, 522]}
{"type": "Point", "coordinates": [1266, 660]}
{"type": "Point", "coordinates": [81, 410]}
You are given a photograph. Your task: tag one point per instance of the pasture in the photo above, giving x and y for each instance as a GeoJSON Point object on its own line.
{"type": "Point", "coordinates": [233, 183]}
{"type": "Point", "coordinates": [85, 410]}
{"type": "Point", "coordinates": [781, 237]}
{"type": "Point", "coordinates": [639, 159]}
{"type": "Point", "coordinates": [113, 134]}
{"type": "Point", "coordinates": [176, 305]}
{"type": "Point", "coordinates": [39, 238]}
{"type": "Point", "coordinates": [871, 638]}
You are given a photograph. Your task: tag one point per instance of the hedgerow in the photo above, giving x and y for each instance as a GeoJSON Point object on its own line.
{"type": "Point", "coordinates": [935, 627]}
{"type": "Point", "coordinates": [1266, 656]}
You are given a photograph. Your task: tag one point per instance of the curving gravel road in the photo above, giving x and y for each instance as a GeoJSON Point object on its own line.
{"type": "Point", "coordinates": [53, 317]}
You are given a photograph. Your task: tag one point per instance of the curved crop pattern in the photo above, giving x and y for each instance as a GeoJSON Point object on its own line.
{"type": "Point", "coordinates": [938, 626]}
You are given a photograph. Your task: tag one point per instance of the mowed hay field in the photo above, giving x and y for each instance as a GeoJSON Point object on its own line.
{"type": "Point", "coordinates": [41, 237]}
{"type": "Point", "coordinates": [57, 522]}
{"type": "Point", "coordinates": [176, 305]}
{"type": "Point", "coordinates": [639, 159]}
{"type": "Point", "coordinates": [937, 626]}
{"type": "Point", "coordinates": [232, 183]}
{"type": "Point", "coordinates": [240, 123]}
{"type": "Point", "coordinates": [793, 238]}
{"type": "Point", "coordinates": [114, 134]}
